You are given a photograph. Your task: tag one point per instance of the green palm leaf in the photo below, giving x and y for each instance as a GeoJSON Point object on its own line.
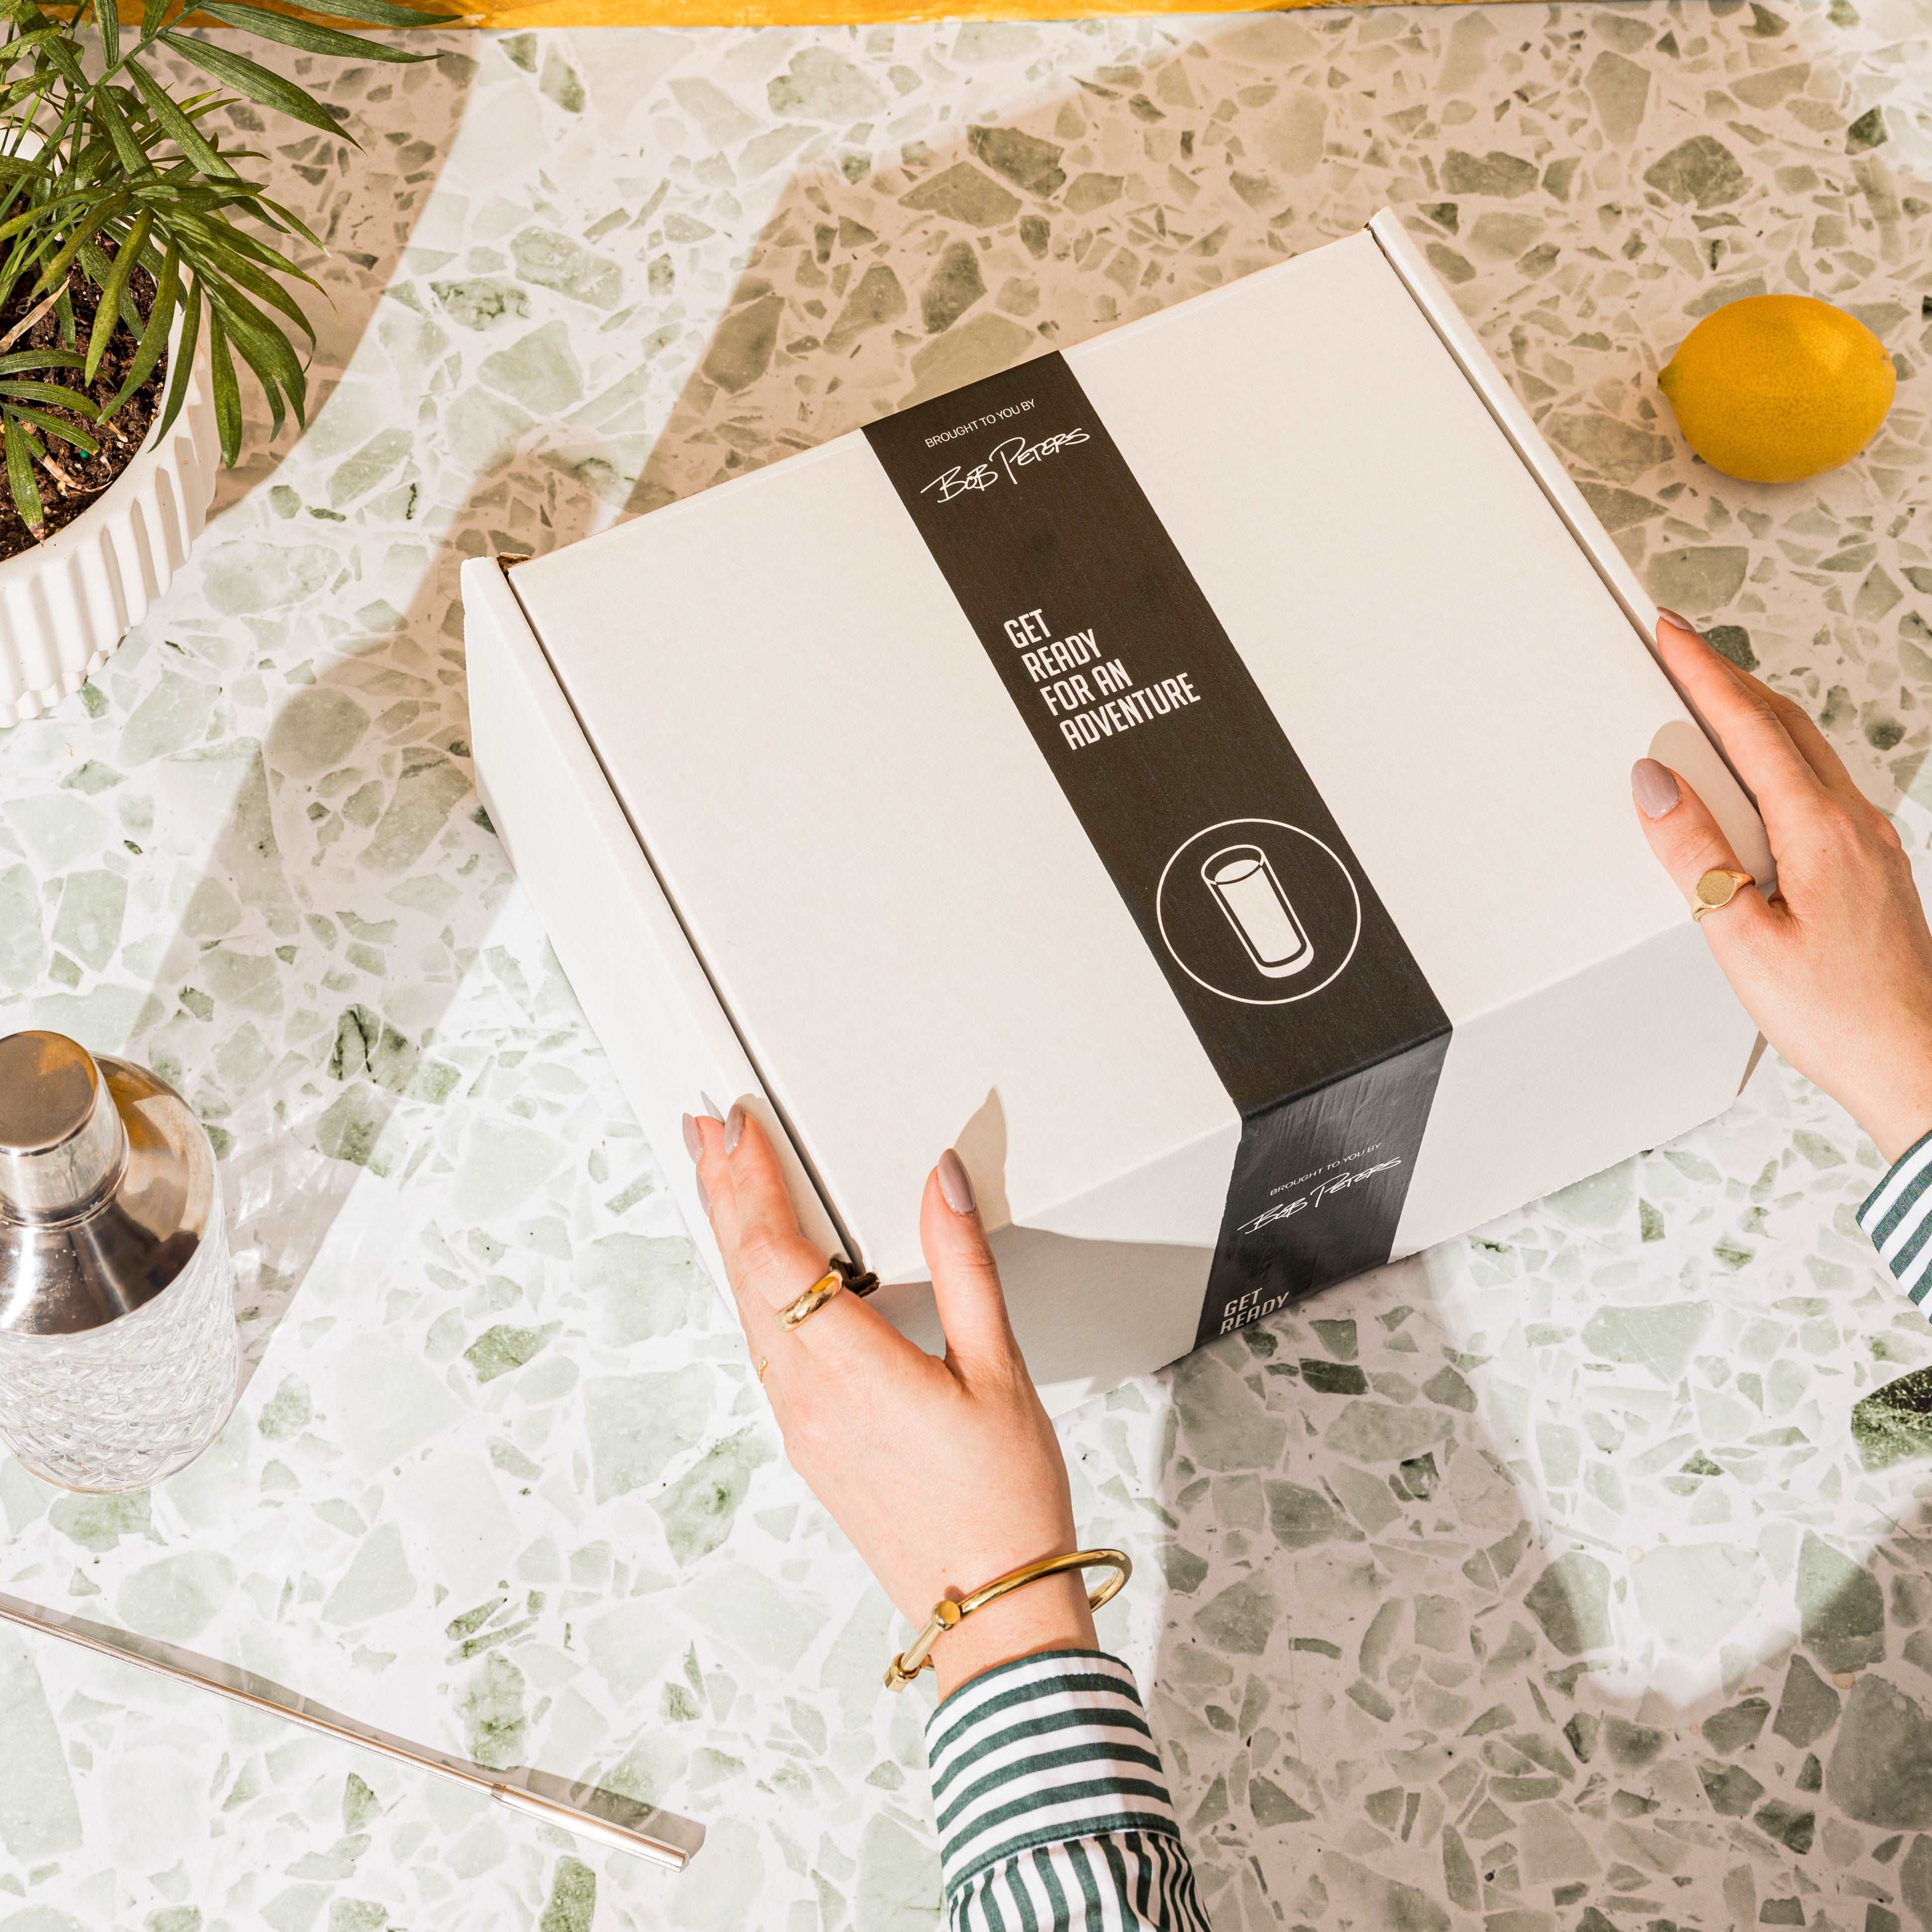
{"type": "Point", "coordinates": [184, 361]}
{"type": "Point", "coordinates": [227, 391]}
{"type": "Point", "coordinates": [273, 213]}
{"type": "Point", "coordinates": [154, 336]}
{"type": "Point", "coordinates": [38, 358]}
{"type": "Point", "coordinates": [53, 426]}
{"type": "Point", "coordinates": [257, 82]}
{"type": "Point", "coordinates": [231, 269]}
{"type": "Point", "coordinates": [304, 33]}
{"type": "Point", "coordinates": [176, 125]}
{"type": "Point", "coordinates": [128, 151]}
{"type": "Point", "coordinates": [382, 13]}
{"type": "Point", "coordinates": [109, 312]}
{"type": "Point", "coordinates": [55, 273]}
{"type": "Point", "coordinates": [20, 474]}
{"type": "Point", "coordinates": [59, 54]}
{"type": "Point", "coordinates": [56, 393]}
{"type": "Point", "coordinates": [249, 349]}
{"type": "Point", "coordinates": [266, 351]}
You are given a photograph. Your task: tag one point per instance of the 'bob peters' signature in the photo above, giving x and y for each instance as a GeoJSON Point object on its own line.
{"type": "Point", "coordinates": [1315, 1196]}
{"type": "Point", "coordinates": [1004, 462]}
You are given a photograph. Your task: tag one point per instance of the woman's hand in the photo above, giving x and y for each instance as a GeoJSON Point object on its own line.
{"type": "Point", "coordinates": [1836, 968]}
{"type": "Point", "coordinates": [944, 1472]}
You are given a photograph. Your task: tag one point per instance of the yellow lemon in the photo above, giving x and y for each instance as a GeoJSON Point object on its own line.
{"type": "Point", "coordinates": [1775, 388]}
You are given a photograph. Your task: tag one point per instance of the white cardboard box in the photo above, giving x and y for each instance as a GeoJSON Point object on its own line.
{"type": "Point", "coordinates": [797, 845]}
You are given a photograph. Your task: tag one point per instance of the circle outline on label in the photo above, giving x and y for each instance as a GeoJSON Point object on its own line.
{"type": "Point", "coordinates": [1241, 1000]}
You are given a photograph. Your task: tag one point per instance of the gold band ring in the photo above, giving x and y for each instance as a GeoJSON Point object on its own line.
{"type": "Point", "coordinates": [795, 1313]}
{"type": "Point", "coordinates": [764, 1363]}
{"type": "Point", "coordinates": [1717, 889]}
{"type": "Point", "coordinates": [947, 1613]}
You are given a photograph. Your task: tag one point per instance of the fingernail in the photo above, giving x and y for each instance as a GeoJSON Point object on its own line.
{"type": "Point", "coordinates": [734, 1128]}
{"type": "Point", "coordinates": [704, 1196]}
{"type": "Point", "coordinates": [1683, 624]}
{"type": "Point", "coordinates": [955, 1183]}
{"type": "Point", "coordinates": [693, 1142]}
{"type": "Point", "coordinates": [1654, 786]}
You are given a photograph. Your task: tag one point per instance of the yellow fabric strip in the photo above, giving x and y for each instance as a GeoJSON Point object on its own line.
{"type": "Point", "coordinates": [806, 13]}
{"type": "Point", "coordinates": [801, 13]}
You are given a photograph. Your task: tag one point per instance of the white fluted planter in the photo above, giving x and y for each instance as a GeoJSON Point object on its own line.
{"type": "Point", "coordinates": [65, 603]}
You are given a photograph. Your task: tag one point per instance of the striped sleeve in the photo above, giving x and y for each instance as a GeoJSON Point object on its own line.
{"type": "Point", "coordinates": [1054, 1814]}
{"type": "Point", "coordinates": [1898, 1216]}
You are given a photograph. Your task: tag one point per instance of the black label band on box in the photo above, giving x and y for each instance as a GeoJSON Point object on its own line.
{"type": "Point", "coordinates": [1311, 1009]}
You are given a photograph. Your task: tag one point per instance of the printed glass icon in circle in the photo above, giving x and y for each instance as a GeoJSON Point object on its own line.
{"type": "Point", "coordinates": [1244, 885]}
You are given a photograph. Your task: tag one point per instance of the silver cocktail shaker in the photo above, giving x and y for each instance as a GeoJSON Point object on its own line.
{"type": "Point", "coordinates": [119, 1348]}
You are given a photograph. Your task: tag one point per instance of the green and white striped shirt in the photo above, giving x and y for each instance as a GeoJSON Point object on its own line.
{"type": "Point", "coordinates": [1054, 1814]}
{"type": "Point", "coordinates": [1898, 1216]}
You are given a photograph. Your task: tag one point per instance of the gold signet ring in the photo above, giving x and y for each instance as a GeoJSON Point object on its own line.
{"type": "Point", "coordinates": [1717, 889]}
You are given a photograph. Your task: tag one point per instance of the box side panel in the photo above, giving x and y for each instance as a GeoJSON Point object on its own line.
{"type": "Point", "coordinates": [1706, 767]}
{"type": "Point", "coordinates": [618, 940]}
{"type": "Point", "coordinates": [1645, 1045]}
{"type": "Point", "coordinates": [1638, 1049]}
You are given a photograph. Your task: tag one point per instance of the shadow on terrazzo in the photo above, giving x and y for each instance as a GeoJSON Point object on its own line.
{"type": "Point", "coordinates": [1573, 1735]}
{"type": "Point", "coordinates": [368, 198]}
{"type": "Point", "coordinates": [364, 773]}
{"type": "Point", "coordinates": [287, 1168]}
{"type": "Point", "coordinates": [1388, 1595]}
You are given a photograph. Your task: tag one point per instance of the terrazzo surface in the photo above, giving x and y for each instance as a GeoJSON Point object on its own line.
{"type": "Point", "coordinates": [1548, 1581]}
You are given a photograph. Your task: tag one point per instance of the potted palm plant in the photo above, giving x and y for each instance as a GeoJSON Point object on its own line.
{"type": "Point", "coordinates": [145, 270]}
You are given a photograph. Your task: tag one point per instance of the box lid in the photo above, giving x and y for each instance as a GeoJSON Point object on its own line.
{"type": "Point", "coordinates": [910, 929]}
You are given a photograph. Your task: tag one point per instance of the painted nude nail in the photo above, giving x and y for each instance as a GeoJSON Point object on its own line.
{"type": "Point", "coordinates": [693, 1144]}
{"type": "Point", "coordinates": [1654, 787]}
{"type": "Point", "coordinates": [955, 1184]}
{"type": "Point", "coordinates": [1683, 624]}
{"type": "Point", "coordinates": [734, 1128]}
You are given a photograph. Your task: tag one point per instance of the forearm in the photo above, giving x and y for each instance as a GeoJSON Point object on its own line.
{"type": "Point", "coordinates": [1051, 1615]}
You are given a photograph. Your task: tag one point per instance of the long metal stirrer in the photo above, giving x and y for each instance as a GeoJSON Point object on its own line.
{"type": "Point", "coordinates": [588, 1810]}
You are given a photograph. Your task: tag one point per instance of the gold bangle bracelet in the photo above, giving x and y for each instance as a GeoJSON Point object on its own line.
{"type": "Point", "coordinates": [947, 1613]}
